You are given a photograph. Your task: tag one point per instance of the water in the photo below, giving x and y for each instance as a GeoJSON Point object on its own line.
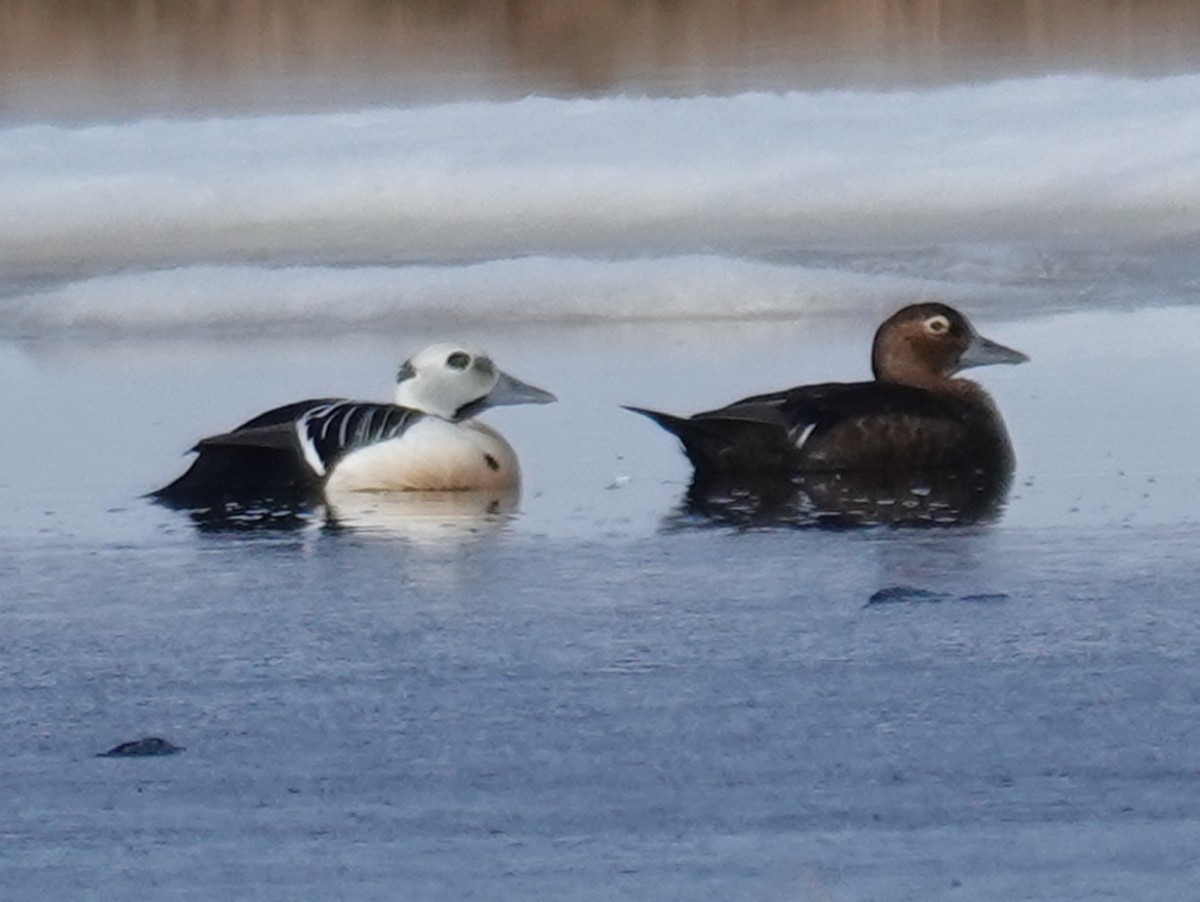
{"type": "Point", "coordinates": [715, 715]}
{"type": "Point", "coordinates": [594, 696]}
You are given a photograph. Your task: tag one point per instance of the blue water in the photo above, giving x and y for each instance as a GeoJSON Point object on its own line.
{"type": "Point", "coordinates": [711, 715]}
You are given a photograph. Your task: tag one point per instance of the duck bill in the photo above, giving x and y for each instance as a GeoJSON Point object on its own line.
{"type": "Point", "coordinates": [984, 352]}
{"type": "Point", "coordinates": [511, 390]}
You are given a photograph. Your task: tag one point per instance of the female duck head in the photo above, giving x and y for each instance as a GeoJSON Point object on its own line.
{"type": "Point", "coordinates": [455, 383]}
{"type": "Point", "coordinates": [926, 343]}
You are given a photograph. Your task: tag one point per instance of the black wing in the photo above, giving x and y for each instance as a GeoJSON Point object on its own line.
{"type": "Point", "coordinates": [825, 426]}
{"type": "Point", "coordinates": [283, 455]}
{"type": "Point", "coordinates": [289, 413]}
{"type": "Point", "coordinates": [829, 404]}
{"type": "Point", "coordinates": [329, 432]}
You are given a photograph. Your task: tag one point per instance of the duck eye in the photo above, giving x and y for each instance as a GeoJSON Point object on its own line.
{"type": "Point", "coordinates": [459, 360]}
{"type": "Point", "coordinates": [937, 325]}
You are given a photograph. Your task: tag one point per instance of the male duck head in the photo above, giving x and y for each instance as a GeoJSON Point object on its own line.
{"type": "Point", "coordinates": [924, 344]}
{"type": "Point", "coordinates": [455, 383]}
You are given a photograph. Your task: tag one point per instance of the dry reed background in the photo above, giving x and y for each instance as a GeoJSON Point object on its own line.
{"type": "Point", "coordinates": [157, 53]}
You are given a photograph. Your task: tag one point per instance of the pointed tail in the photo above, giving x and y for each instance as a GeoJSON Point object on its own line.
{"type": "Point", "coordinates": [677, 426]}
{"type": "Point", "coordinates": [720, 446]}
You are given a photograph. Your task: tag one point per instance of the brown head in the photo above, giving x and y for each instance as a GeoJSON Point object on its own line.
{"type": "Point", "coordinates": [925, 344]}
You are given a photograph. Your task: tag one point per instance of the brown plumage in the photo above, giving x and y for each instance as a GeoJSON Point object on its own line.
{"type": "Point", "coordinates": [915, 416]}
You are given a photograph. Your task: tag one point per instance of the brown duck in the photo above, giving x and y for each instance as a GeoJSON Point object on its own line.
{"type": "Point", "coordinates": [914, 416]}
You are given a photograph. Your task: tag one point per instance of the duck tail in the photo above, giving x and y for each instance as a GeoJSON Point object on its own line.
{"type": "Point", "coordinates": [703, 444]}
{"type": "Point", "coordinates": [677, 426]}
{"type": "Point", "coordinates": [720, 446]}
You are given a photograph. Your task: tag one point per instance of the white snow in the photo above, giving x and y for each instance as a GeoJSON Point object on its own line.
{"type": "Point", "coordinates": [620, 207]}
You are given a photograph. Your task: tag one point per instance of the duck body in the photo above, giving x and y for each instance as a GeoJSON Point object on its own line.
{"type": "Point", "coordinates": [843, 426]}
{"type": "Point", "coordinates": [913, 417]}
{"type": "Point", "coordinates": [428, 440]}
{"type": "Point", "coordinates": [435, 455]}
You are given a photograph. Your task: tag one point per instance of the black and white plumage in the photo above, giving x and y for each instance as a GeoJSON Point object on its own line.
{"type": "Point", "coordinates": [330, 430]}
{"type": "Point", "coordinates": [427, 440]}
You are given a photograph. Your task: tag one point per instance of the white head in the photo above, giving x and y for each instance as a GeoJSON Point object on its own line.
{"type": "Point", "coordinates": [454, 383]}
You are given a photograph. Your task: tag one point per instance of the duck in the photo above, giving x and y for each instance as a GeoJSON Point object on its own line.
{"type": "Point", "coordinates": [915, 415]}
{"type": "Point", "coordinates": [426, 440]}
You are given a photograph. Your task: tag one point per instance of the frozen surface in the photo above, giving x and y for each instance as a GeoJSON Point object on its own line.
{"type": "Point", "coordinates": [701, 716]}
{"type": "Point", "coordinates": [606, 209]}
{"type": "Point", "coordinates": [594, 698]}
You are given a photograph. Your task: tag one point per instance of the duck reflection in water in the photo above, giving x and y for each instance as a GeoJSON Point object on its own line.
{"type": "Point", "coordinates": [417, 517]}
{"type": "Point", "coordinates": [914, 446]}
{"type": "Point", "coordinates": [848, 499]}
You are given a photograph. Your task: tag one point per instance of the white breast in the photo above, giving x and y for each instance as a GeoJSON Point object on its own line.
{"type": "Point", "coordinates": [432, 455]}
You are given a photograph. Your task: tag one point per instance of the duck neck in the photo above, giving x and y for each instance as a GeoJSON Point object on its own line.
{"type": "Point", "coordinates": [970, 392]}
{"type": "Point", "coordinates": [897, 358]}
{"type": "Point", "coordinates": [418, 397]}
{"type": "Point", "coordinates": [964, 390]}
{"type": "Point", "coordinates": [917, 374]}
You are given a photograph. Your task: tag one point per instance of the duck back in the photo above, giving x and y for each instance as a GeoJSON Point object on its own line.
{"type": "Point", "coordinates": [856, 426]}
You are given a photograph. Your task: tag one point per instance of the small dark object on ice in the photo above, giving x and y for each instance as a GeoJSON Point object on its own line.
{"type": "Point", "coordinates": [905, 594]}
{"type": "Point", "coordinates": [910, 594]}
{"type": "Point", "coordinates": [145, 747]}
{"type": "Point", "coordinates": [986, 596]}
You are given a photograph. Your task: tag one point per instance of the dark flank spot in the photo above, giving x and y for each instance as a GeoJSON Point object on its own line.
{"type": "Point", "coordinates": [145, 747]}
{"type": "Point", "coordinates": [491, 462]}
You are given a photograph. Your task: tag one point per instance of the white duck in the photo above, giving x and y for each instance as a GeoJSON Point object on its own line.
{"type": "Point", "coordinates": [426, 440]}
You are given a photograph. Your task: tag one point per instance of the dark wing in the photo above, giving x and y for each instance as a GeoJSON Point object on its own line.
{"type": "Point", "coordinates": [884, 426]}
{"type": "Point", "coordinates": [283, 455]}
{"type": "Point", "coordinates": [329, 432]}
{"type": "Point", "coordinates": [289, 413]}
{"type": "Point", "coordinates": [829, 404]}
{"type": "Point", "coordinates": [829, 426]}
{"type": "Point", "coordinates": [867, 425]}
{"type": "Point", "coordinates": [275, 429]}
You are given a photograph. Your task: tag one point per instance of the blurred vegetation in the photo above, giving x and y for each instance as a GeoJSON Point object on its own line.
{"type": "Point", "coordinates": [586, 46]}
